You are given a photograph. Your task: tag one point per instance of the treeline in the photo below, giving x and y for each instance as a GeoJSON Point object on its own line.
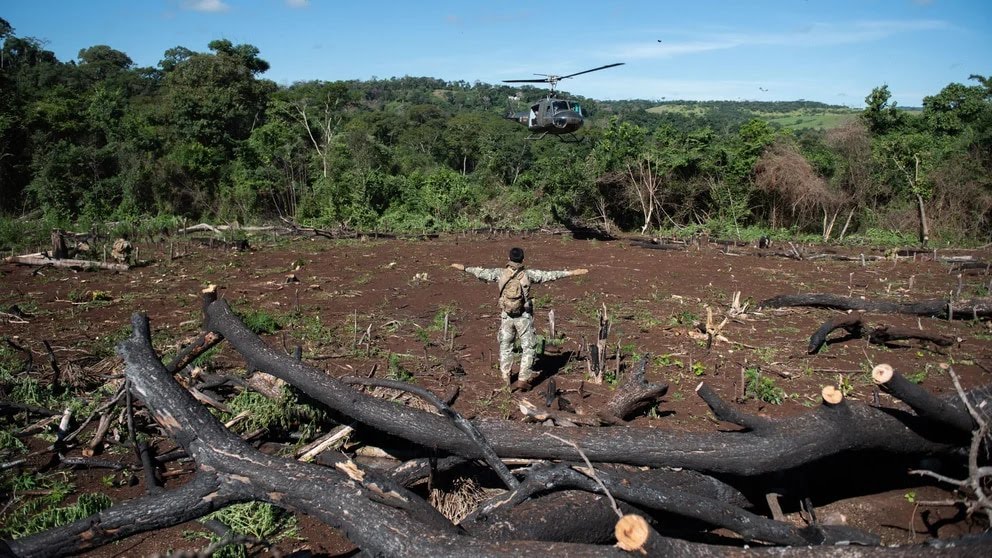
{"type": "Point", "coordinates": [205, 135]}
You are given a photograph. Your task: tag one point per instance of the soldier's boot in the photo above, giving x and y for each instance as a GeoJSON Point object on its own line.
{"type": "Point", "coordinates": [527, 373]}
{"type": "Point", "coordinates": [504, 372]}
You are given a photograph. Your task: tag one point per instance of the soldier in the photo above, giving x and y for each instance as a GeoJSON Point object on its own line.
{"type": "Point", "coordinates": [517, 311]}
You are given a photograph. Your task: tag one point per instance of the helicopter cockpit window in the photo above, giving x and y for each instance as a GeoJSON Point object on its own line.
{"type": "Point", "coordinates": [559, 105]}
{"type": "Point", "coordinates": [577, 108]}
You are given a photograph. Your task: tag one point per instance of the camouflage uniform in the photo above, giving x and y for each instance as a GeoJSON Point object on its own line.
{"type": "Point", "coordinates": [517, 327]}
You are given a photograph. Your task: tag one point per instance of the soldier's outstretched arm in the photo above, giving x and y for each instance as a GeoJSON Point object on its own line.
{"type": "Point", "coordinates": [539, 276]}
{"type": "Point", "coordinates": [486, 274]}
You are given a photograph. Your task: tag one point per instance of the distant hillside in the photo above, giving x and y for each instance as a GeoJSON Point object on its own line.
{"type": "Point", "coordinates": [791, 115]}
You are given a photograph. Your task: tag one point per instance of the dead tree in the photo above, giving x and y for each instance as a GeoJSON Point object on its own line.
{"type": "Point", "coordinates": [597, 352]}
{"type": "Point", "coordinates": [972, 309]}
{"type": "Point", "coordinates": [635, 393]}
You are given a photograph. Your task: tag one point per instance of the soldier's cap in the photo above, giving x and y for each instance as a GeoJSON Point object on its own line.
{"type": "Point", "coordinates": [516, 255]}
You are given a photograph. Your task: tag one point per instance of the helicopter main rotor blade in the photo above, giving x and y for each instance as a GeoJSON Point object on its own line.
{"type": "Point", "coordinates": [592, 70]}
{"type": "Point", "coordinates": [525, 81]}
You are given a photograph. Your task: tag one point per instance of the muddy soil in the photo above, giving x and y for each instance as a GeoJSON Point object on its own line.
{"type": "Point", "coordinates": [378, 307]}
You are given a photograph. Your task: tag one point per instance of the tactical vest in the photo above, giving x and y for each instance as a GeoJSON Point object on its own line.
{"type": "Point", "coordinates": [514, 291]}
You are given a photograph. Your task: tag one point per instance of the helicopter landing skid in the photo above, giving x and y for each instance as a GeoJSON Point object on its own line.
{"type": "Point", "coordinates": [561, 137]}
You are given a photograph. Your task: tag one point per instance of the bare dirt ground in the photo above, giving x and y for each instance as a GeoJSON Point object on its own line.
{"type": "Point", "coordinates": [392, 296]}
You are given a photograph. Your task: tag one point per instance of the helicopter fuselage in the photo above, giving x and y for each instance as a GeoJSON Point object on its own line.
{"type": "Point", "coordinates": [552, 116]}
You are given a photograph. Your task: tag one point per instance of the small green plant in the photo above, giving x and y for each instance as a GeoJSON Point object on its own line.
{"type": "Point", "coordinates": [311, 330]}
{"type": "Point", "coordinates": [501, 401]}
{"type": "Point", "coordinates": [762, 387]}
{"type": "Point", "coordinates": [698, 368]}
{"type": "Point", "coordinates": [106, 345]}
{"type": "Point", "coordinates": [88, 297]}
{"type": "Point", "coordinates": [765, 354]}
{"type": "Point", "coordinates": [424, 336]}
{"type": "Point", "coordinates": [259, 520]}
{"type": "Point", "coordinates": [683, 318]}
{"type": "Point", "coordinates": [397, 371]}
{"type": "Point", "coordinates": [910, 497]}
{"type": "Point", "coordinates": [919, 376]}
{"type": "Point", "coordinates": [9, 442]}
{"type": "Point", "coordinates": [845, 386]}
{"type": "Point", "coordinates": [662, 361]}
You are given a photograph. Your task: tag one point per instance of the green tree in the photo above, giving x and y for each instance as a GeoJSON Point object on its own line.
{"type": "Point", "coordinates": [880, 116]}
{"type": "Point", "coordinates": [209, 105]}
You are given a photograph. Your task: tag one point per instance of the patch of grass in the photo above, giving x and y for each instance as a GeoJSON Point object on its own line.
{"type": "Point", "coordinates": [206, 358]}
{"type": "Point", "coordinates": [260, 520]}
{"type": "Point", "coordinates": [90, 296]}
{"type": "Point", "coordinates": [646, 320]}
{"type": "Point", "coordinates": [766, 354]}
{"type": "Point", "coordinates": [784, 330]}
{"type": "Point", "coordinates": [106, 345]}
{"type": "Point", "coordinates": [259, 321]}
{"type": "Point", "coordinates": [396, 369]}
{"type": "Point", "coordinates": [311, 330]}
{"type": "Point", "coordinates": [762, 387]}
{"type": "Point", "coordinates": [500, 401]}
{"type": "Point", "coordinates": [42, 512]}
{"type": "Point", "coordinates": [683, 318]}
{"type": "Point", "coordinates": [286, 413]}
{"type": "Point", "coordinates": [10, 443]}
{"type": "Point", "coordinates": [542, 301]}
{"type": "Point", "coordinates": [662, 361]}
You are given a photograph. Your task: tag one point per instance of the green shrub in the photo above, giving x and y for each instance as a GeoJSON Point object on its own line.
{"type": "Point", "coordinates": [260, 520]}
{"type": "Point", "coordinates": [762, 387]}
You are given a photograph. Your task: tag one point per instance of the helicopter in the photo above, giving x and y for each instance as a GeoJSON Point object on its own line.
{"type": "Point", "coordinates": [551, 115]}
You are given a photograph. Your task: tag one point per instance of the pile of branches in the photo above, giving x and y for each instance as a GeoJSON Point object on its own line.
{"type": "Point", "coordinates": [601, 491]}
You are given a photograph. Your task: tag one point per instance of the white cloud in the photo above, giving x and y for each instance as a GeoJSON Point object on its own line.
{"type": "Point", "coordinates": [206, 5]}
{"type": "Point", "coordinates": [818, 34]}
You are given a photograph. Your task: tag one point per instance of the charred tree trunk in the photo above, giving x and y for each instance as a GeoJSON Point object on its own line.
{"type": "Point", "coordinates": [882, 335]}
{"type": "Point", "coordinates": [635, 393]}
{"type": "Point", "coordinates": [973, 309]}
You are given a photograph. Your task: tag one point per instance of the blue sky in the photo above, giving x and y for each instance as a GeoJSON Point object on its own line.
{"type": "Point", "coordinates": [834, 51]}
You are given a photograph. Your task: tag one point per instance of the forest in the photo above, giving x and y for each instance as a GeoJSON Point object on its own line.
{"type": "Point", "coordinates": [204, 135]}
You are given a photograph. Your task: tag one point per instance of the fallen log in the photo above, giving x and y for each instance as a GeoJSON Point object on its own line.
{"type": "Point", "coordinates": [43, 260]}
{"type": "Point", "coordinates": [710, 511]}
{"type": "Point", "coordinates": [886, 335]}
{"type": "Point", "coordinates": [963, 310]}
{"type": "Point", "coordinates": [851, 323]}
{"type": "Point", "coordinates": [883, 335]}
